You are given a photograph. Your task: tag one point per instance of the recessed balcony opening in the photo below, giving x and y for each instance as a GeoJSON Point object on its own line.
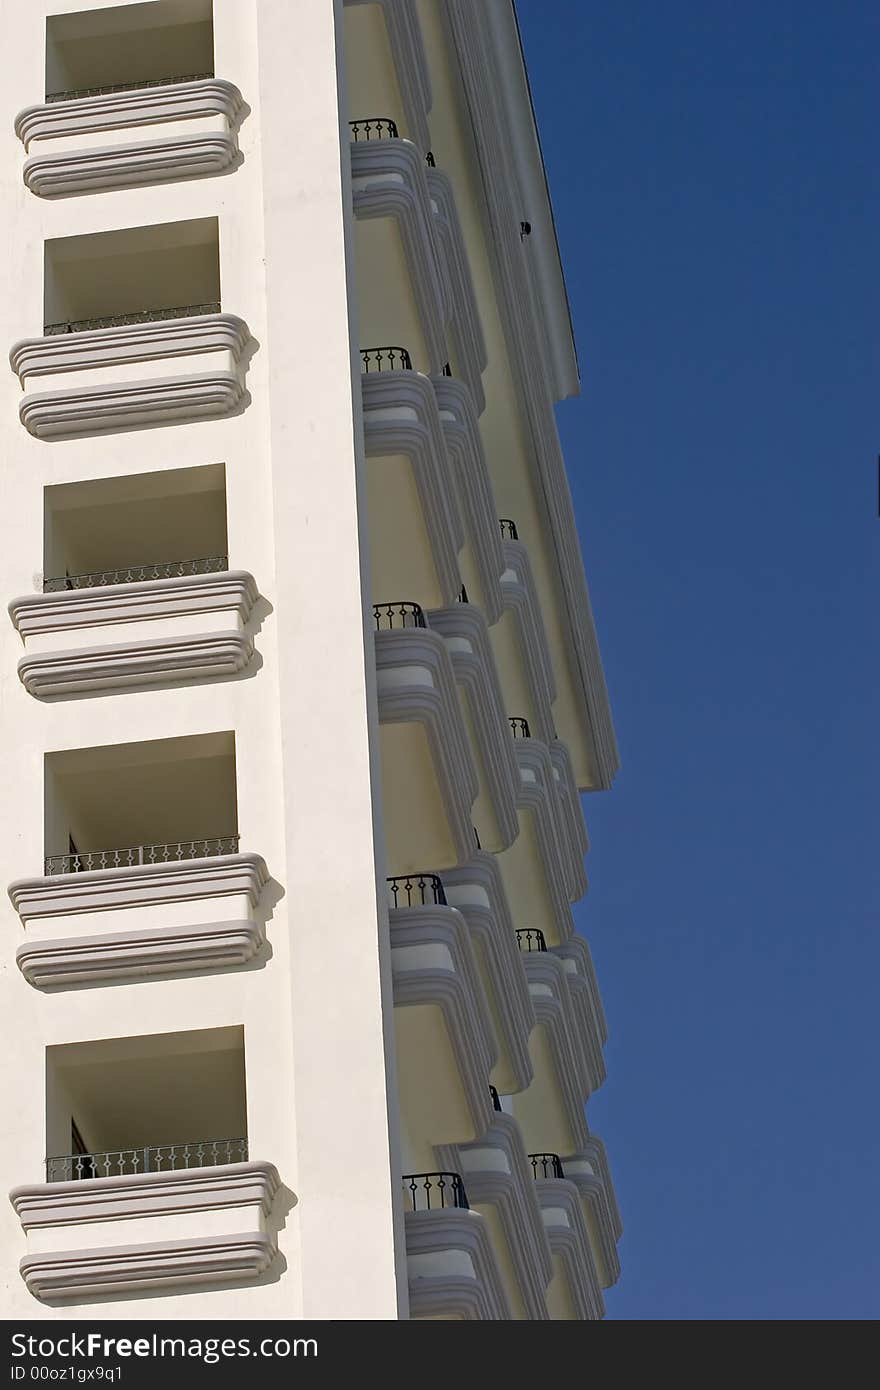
{"type": "Point", "coordinates": [135, 275]}
{"type": "Point", "coordinates": [126, 46]}
{"type": "Point", "coordinates": [142, 526]}
{"type": "Point", "coordinates": [152, 1104]}
{"type": "Point", "coordinates": [131, 804]}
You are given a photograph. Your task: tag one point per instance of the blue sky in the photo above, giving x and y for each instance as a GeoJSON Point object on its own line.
{"type": "Point", "coordinates": [714, 177]}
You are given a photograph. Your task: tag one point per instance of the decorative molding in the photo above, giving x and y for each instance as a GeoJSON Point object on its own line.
{"type": "Point", "coordinates": [119, 405]}
{"type": "Point", "coordinates": [569, 1240]}
{"type": "Point", "coordinates": [520, 597]}
{"type": "Point", "coordinates": [143, 106]}
{"type": "Point", "coordinates": [121, 166]}
{"type": "Point", "coordinates": [137, 954]}
{"type": "Point", "coordinates": [158, 660]}
{"type": "Point", "coordinates": [470, 344]}
{"type": "Point", "coordinates": [166, 1264]}
{"type": "Point", "coordinates": [587, 1003]}
{"type": "Point", "coordinates": [490, 72]}
{"type": "Point", "coordinates": [477, 891]}
{"type": "Point", "coordinates": [537, 794]}
{"type": "Point", "coordinates": [554, 1013]}
{"type": "Point", "coordinates": [69, 609]}
{"type": "Point", "coordinates": [102, 890]}
{"type": "Point", "coordinates": [453, 1272]}
{"type": "Point", "coordinates": [432, 702]}
{"type": "Point", "coordinates": [572, 817]}
{"type": "Point", "coordinates": [455, 987]}
{"type": "Point", "coordinates": [600, 1212]}
{"type": "Point", "coordinates": [464, 448]}
{"type": "Point", "coordinates": [496, 1172]}
{"type": "Point", "coordinates": [389, 180]}
{"type": "Point", "coordinates": [400, 417]}
{"type": "Point", "coordinates": [410, 63]}
{"type": "Point", "coordinates": [463, 628]}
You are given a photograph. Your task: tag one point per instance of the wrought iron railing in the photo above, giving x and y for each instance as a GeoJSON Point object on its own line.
{"type": "Point", "coordinates": [531, 939]}
{"type": "Point", "coordinates": [385, 359]}
{"type": "Point", "coordinates": [416, 890]}
{"type": "Point", "coordinates": [179, 311]}
{"type": "Point", "coordinates": [388, 616]}
{"type": "Point", "coordinates": [175, 851]}
{"type": "Point", "coordinates": [135, 574]}
{"type": "Point", "coordinates": [430, 160]}
{"type": "Point", "coordinates": [508, 529]}
{"type": "Point", "coordinates": [158, 1158]}
{"type": "Point", "coordinates": [546, 1165]}
{"type": "Point", "coordinates": [476, 837]}
{"type": "Point", "coordinates": [447, 369]}
{"type": "Point", "coordinates": [519, 727]}
{"type": "Point", "coordinates": [463, 595]}
{"type": "Point", "coordinates": [496, 1099]}
{"type": "Point", "coordinates": [77, 92]}
{"type": "Point", "coordinates": [373, 128]}
{"type": "Point", "coordinates": [434, 1191]}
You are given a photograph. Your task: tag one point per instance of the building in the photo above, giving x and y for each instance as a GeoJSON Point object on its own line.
{"type": "Point", "coordinates": [300, 683]}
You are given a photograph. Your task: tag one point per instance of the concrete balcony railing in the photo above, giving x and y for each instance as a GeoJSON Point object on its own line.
{"type": "Point", "coordinates": [550, 1111]}
{"type": "Point", "coordinates": [572, 817]}
{"type": "Point", "coordinates": [536, 867]}
{"type": "Point", "coordinates": [402, 292]}
{"type": "Point", "coordinates": [575, 1293]}
{"type": "Point", "coordinates": [502, 1191]}
{"type": "Point", "coordinates": [131, 370]}
{"type": "Point", "coordinates": [96, 139]}
{"type": "Point", "coordinates": [587, 1004]}
{"type": "Point", "coordinates": [466, 635]}
{"type": "Point", "coordinates": [452, 1267]}
{"type": "Point", "coordinates": [105, 915]}
{"type": "Point", "coordinates": [429, 780]}
{"type": "Point", "coordinates": [477, 891]}
{"type": "Point", "coordinates": [147, 1231]}
{"type": "Point", "coordinates": [149, 611]}
{"type": "Point", "coordinates": [589, 1172]}
{"type": "Point", "coordinates": [415, 527]}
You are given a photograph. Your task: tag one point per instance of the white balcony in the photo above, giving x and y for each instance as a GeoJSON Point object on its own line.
{"type": "Point", "coordinates": [477, 891]}
{"type": "Point", "coordinates": [466, 331]}
{"type": "Point", "coordinates": [452, 1268]}
{"type": "Point", "coordinates": [444, 1045]}
{"type": "Point", "coordinates": [415, 525]}
{"type": "Point", "coordinates": [501, 1188]}
{"type": "Point", "coordinates": [587, 1004]}
{"type": "Point", "coordinates": [483, 561]}
{"type": "Point", "coordinates": [589, 1172]}
{"type": "Point", "coordinates": [572, 817]}
{"type": "Point", "coordinates": [550, 1111]}
{"type": "Point", "coordinates": [157, 631]}
{"type": "Point", "coordinates": [116, 139]}
{"type": "Point", "coordinates": [575, 1293]}
{"type": "Point", "coordinates": [152, 373]}
{"type": "Point", "coordinates": [466, 635]}
{"type": "Point", "coordinates": [401, 288]}
{"type": "Point", "coordinates": [429, 781]}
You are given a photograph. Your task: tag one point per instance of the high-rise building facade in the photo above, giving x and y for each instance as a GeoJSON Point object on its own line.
{"type": "Point", "coordinates": [300, 684]}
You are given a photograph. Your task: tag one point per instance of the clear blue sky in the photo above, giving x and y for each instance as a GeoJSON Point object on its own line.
{"type": "Point", "coordinates": [714, 175]}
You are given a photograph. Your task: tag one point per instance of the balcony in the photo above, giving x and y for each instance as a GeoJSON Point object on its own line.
{"type": "Point", "coordinates": [587, 1004]}
{"type": "Point", "coordinates": [117, 899]}
{"type": "Point", "coordinates": [520, 640]}
{"type": "Point", "coordinates": [386, 66]}
{"type": "Point", "coordinates": [477, 891]}
{"type": "Point", "coordinates": [589, 1173]}
{"type": "Point", "coordinates": [120, 1212]}
{"type": "Point", "coordinates": [502, 1191]}
{"type": "Point", "coordinates": [466, 330]}
{"type": "Point", "coordinates": [451, 1263]}
{"type": "Point", "coordinates": [482, 562]}
{"type": "Point", "coordinates": [550, 1112]}
{"type": "Point", "coordinates": [572, 818]}
{"type": "Point", "coordinates": [574, 1293]}
{"type": "Point", "coordinates": [133, 328]}
{"type": "Point", "coordinates": [401, 288]}
{"type": "Point", "coordinates": [466, 635]}
{"type": "Point", "coordinates": [535, 867]}
{"type": "Point", "coordinates": [99, 139]}
{"type": "Point", "coordinates": [423, 745]}
{"type": "Point", "coordinates": [444, 1045]}
{"type": "Point", "coordinates": [415, 528]}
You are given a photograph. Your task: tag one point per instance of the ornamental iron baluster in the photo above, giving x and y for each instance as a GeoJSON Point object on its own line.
{"type": "Point", "coordinates": [519, 727]}
{"type": "Point", "coordinates": [508, 529]}
{"type": "Point", "coordinates": [531, 939]}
